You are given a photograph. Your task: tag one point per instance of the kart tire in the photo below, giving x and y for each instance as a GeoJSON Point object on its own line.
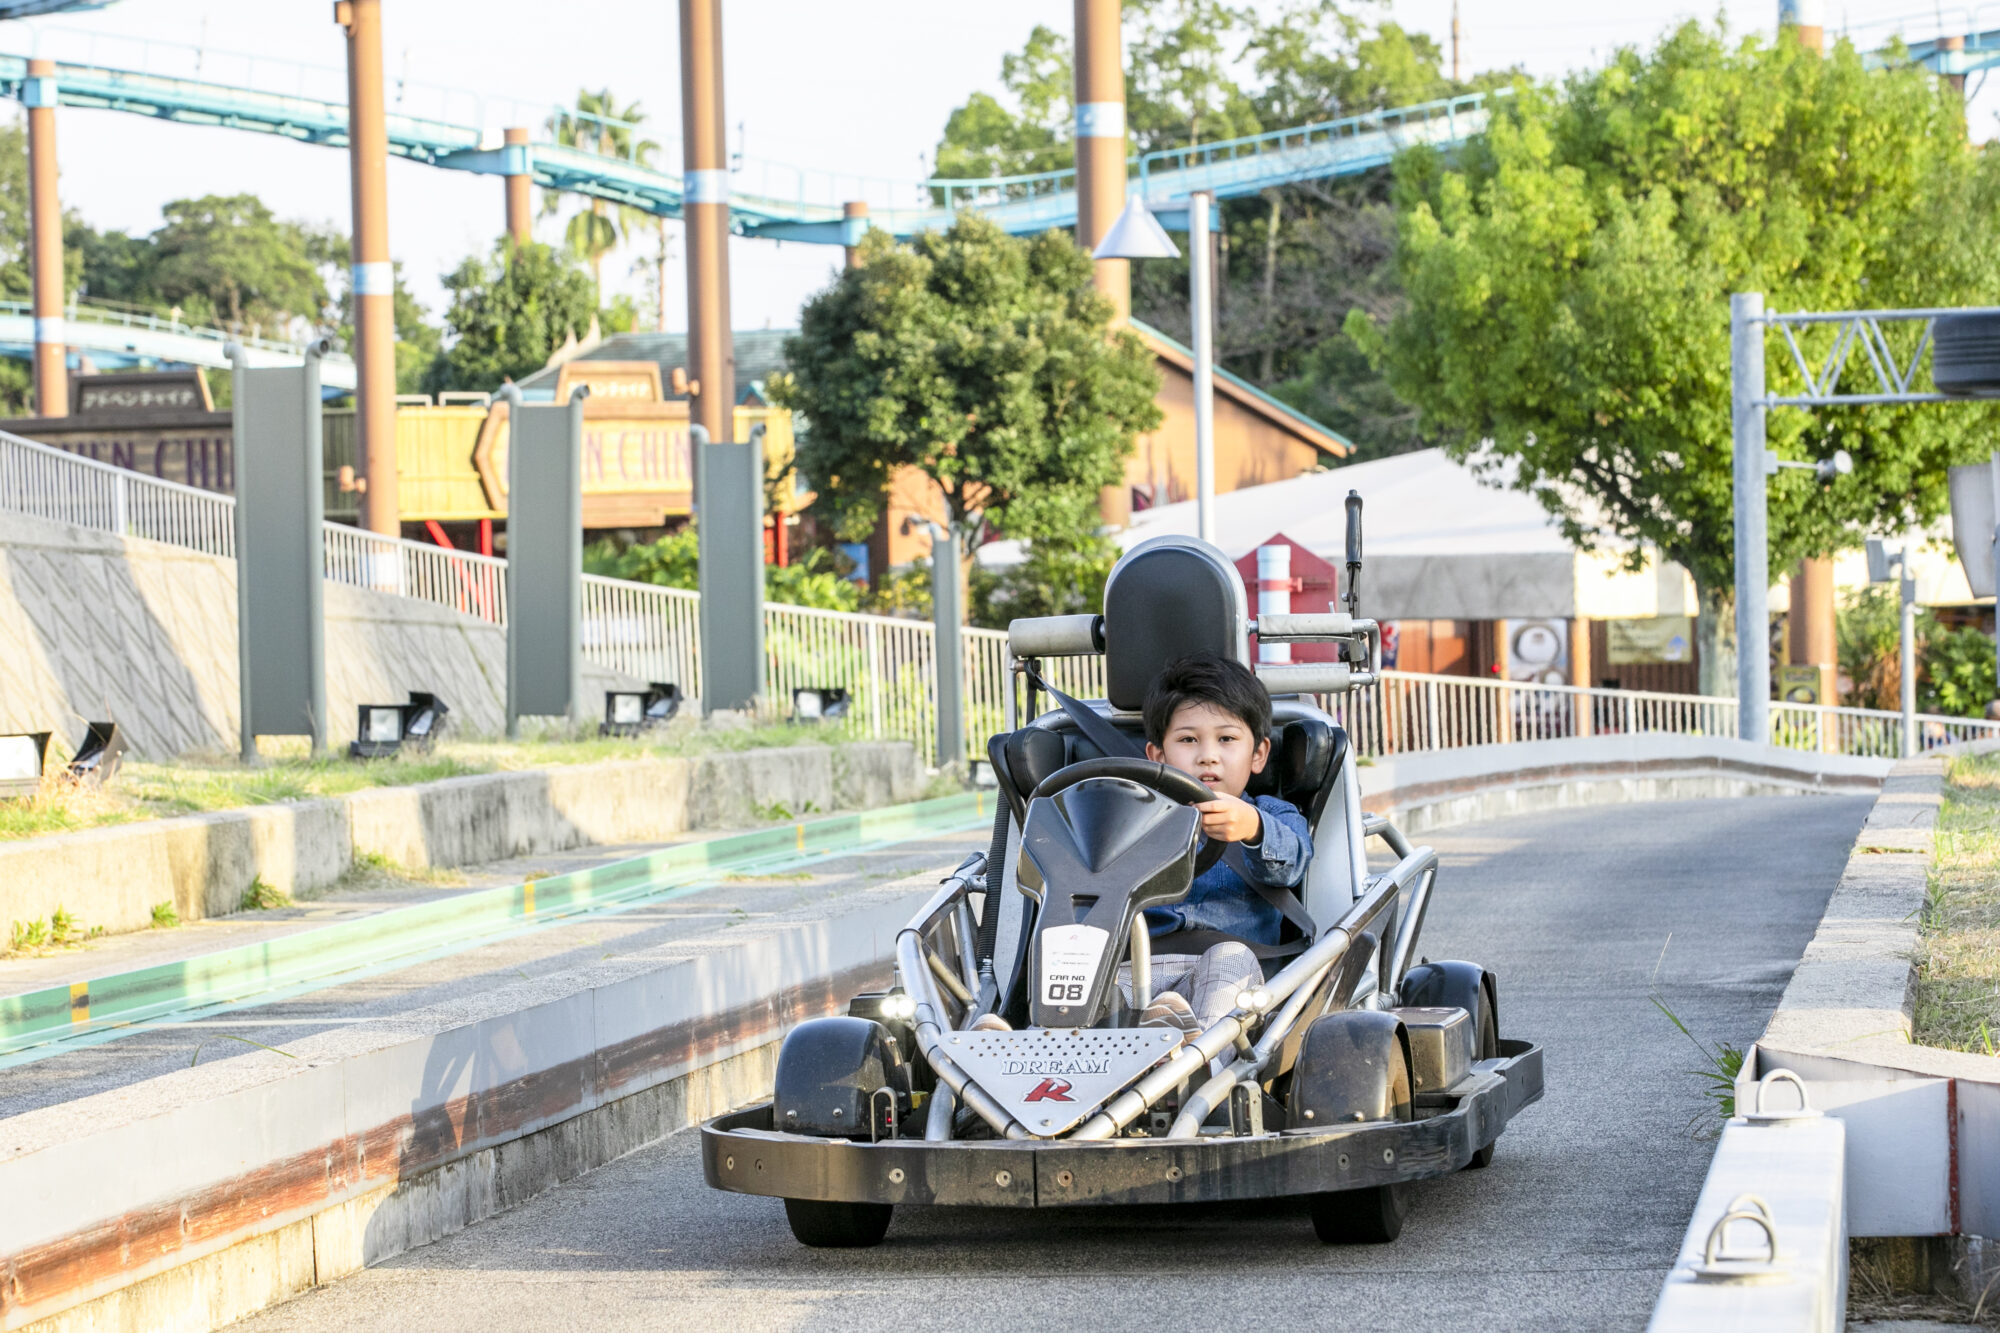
{"type": "Point", "coordinates": [829, 1225]}
{"type": "Point", "coordinates": [1372, 1216]}
{"type": "Point", "coordinates": [1488, 1049]}
{"type": "Point", "coordinates": [1355, 1065]}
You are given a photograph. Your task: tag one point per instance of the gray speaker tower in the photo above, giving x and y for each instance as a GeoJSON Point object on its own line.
{"type": "Point", "coordinates": [544, 558]}
{"type": "Point", "coordinates": [280, 551]}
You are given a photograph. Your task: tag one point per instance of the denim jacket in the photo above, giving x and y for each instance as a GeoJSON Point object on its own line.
{"type": "Point", "coordinates": [1220, 900]}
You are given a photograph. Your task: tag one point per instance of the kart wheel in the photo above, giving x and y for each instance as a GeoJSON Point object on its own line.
{"type": "Point", "coordinates": [1361, 1217]}
{"type": "Point", "coordinates": [838, 1226]}
{"type": "Point", "coordinates": [1489, 1049]}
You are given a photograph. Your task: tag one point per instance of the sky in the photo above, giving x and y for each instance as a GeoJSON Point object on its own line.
{"type": "Point", "coordinates": [859, 86]}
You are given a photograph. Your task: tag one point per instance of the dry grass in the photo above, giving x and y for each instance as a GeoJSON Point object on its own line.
{"type": "Point", "coordinates": [287, 772]}
{"type": "Point", "coordinates": [1958, 978]}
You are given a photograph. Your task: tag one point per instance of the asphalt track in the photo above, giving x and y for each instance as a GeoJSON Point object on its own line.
{"type": "Point", "coordinates": [1586, 915]}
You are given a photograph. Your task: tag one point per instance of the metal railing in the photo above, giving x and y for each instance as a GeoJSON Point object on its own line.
{"type": "Point", "coordinates": [886, 664]}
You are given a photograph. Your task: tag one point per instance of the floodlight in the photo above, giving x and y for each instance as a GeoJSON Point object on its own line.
{"type": "Point", "coordinates": [1136, 234]}
{"type": "Point", "coordinates": [1840, 465]}
{"type": "Point", "coordinates": [819, 704]}
{"type": "Point", "coordinates": [384, 729]}
{"type": "Point", "coordinates": [629, 712]}
{"type": "Point", "coordinates": [97, 759]}
{"type": "Point", "coordinates": [21, 760]}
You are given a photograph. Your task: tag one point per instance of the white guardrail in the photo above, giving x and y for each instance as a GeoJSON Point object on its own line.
{"type": "Point", "coordinates": [886, 663]}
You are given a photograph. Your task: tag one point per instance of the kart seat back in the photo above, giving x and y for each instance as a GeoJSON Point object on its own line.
{"type": "Point", "coordinates": [1167, 598]}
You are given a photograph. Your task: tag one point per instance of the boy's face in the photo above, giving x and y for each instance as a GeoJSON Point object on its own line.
{"type": "Point", "coordinates": [1206, 743]}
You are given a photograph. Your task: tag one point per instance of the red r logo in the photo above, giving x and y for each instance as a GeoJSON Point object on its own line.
{"type": "Point", "coordinates": [1050, 1090]}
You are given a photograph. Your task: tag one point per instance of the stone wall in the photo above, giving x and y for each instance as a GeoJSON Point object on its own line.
{"type": "Point", "coordinates": [101, 628]}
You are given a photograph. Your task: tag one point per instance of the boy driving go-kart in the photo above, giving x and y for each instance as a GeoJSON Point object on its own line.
{"type": "Point", "coordinates": [1173, 978]}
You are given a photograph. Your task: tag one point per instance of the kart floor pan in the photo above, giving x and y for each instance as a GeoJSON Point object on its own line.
{"type": "Point", "coordinates": [741, 1152]}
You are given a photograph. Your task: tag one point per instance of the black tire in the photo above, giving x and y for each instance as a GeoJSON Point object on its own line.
{"type": "Point", "coordinates": [1371, 1216]}
{"type": "Point", "coordinates": [838, 1226]}
{"type": "Point", "coordinates": [1489, 1049]}
{"type": "Point", "coordinates": [1361, 1217]}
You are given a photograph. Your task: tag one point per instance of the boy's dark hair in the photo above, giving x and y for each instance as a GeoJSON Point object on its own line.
{"type": "Point", "coordinates": [1207, 678]}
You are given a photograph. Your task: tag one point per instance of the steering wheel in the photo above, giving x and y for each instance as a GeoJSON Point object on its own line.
{"type": "Point", "coordinates": [1168, 782]}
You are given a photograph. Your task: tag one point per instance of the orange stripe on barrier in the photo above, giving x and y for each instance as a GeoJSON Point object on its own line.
{"type": "Point", "coordinates": [79, 1002]}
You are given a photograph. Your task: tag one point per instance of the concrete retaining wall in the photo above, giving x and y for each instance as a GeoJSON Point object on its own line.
{"type": "Point", "coordinates": [1439, 788]}
{"type": "Point", "coordinates": [116, 629]}
{"type": "Point", "coordinates": [200, 1197]}
{"type": "Point", "coordinates": [112, 877]}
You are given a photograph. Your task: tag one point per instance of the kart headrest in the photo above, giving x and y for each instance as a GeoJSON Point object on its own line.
{"type": "Point", "coordinates": [1166, 598]}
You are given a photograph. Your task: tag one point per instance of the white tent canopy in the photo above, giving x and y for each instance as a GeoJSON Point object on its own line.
{"type": "Point", "coordinates": [1439, 543]}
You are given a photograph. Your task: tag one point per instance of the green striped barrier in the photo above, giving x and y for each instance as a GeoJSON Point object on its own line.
{"type": "Point", "coordinates": [97, 1008]}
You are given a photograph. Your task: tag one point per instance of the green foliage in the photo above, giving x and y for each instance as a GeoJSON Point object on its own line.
{"type": "Point", "coordinates": [224, 259]}
{"type": "Point", "coordinates": [26, 935]}
{"type": "Point", "coordinates": [982, 360]}
{"type": "Point", "coordinates": [601, 125]}
{"type": "Point", "coordinates": [1058, 577]}
{"type": "Point", "coordinates": [1292, 262]}
{"type": "Point", "coordinates": [164, 916]}
{"type": "Point", "coordinates": [1569, 275]}
{"type": "Point", "coordinates": [1721, 1063]}
{"type": "Point", "coordinates": [508, 313]}
{"type": "Point", "coordinates": [261, 897]}
{"type": "Point", "coordinates": [1954, 666]}
{"type": "Point", "coordinates": [673, 561]}
{"type": "Point", "coordinates": [1956, 672]}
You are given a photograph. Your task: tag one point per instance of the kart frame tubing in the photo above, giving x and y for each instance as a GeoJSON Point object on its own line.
{"type": "Point", "coordinates": [742, 1153]}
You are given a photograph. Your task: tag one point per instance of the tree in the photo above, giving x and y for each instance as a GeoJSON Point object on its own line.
{"type": "Point", "coordinates": [1569, 276]}
{"type": "Point", "coordinates": [224, 259]}
{"type": "Point", "coordinates": [983, 360]}
{"type": "Point", "coordinates": [508, 313]}
{"type": "Point", "coordinates": [600, 125]}
{"type": "Point", "coordinates": [1290, 263]}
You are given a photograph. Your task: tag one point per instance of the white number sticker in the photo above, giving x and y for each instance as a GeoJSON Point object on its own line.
{"type": "Point", "coordinates": [1070, 959]}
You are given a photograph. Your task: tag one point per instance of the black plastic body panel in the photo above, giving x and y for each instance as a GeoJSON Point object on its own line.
{"type": "Point", "coordinates": [741, 1153]}
{"type": "Point", "coordinates": [830, 1072]}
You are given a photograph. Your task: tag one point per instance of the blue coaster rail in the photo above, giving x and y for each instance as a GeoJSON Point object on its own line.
{"type": "Point", "coordinates": [772, 200]}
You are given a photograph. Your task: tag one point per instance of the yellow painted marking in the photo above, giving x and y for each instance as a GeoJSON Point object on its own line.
{"type": "Point", "coordinates": [800, 829]}
{"type": "Point", "coordinates": [528, 897]}
{"type": "Point", "coordinates": [79, 1002]}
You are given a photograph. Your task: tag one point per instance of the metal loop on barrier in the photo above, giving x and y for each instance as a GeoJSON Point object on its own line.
{"type": "Point", "coordinates": [1719, 1265]}
{"type": "Point", "coordinates": [1757, 1115]}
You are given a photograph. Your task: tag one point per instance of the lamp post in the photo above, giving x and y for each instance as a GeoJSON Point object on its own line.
{"type": "Point", "coordinates": [1885, 566]}
{"type": "Point", "coordinates": [1137, 234]}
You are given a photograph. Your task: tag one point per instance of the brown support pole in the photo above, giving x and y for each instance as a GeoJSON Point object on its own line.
{"type": "Point", "coordinates": [374, 276]}
{"type": "Point", "coordinates": [1581, 671]}
{"type": "Point", "coordinates": [854, 225]}
{"type": "Point", "coordinates": [51, 340]}
{"type": "Point", "coordinates": [1806, 21]}
{"type": "Point", "coordinates": [1100, 142]}
{"type": "Point", "coordinates": [1817, 643]}
{"type": "Point", "coordinates": [520, 178]}
{"type": "Point", "coordinates": [1957, 81]}
{"type": "Point", "coordinates": [705, 210]}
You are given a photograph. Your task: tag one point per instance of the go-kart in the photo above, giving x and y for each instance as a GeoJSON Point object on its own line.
{"type": "Point", "coordinates": [1005, 1066]}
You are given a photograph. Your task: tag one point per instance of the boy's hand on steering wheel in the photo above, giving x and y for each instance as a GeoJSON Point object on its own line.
{"type": "Point", "coordinates": [1230, 819]}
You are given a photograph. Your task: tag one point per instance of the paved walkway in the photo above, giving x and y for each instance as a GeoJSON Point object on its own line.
{"type": "Point", "coordinates": [1586, 915]}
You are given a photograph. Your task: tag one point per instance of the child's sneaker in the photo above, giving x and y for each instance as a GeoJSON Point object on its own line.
{"type": "Point", "coordinates": [1169, 1010]}
{"type": "Point", "coordinates": [991, 1023]}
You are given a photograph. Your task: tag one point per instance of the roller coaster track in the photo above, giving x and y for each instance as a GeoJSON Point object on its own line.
{"type": "Point", "coordinates": [769, 199]}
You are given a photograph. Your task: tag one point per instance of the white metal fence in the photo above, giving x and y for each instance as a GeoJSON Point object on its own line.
{"type": "Point", "coordinates": [887, 665]}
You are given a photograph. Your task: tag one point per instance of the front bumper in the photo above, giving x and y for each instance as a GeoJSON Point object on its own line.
{"type": "Point", "coordinates": [741, 1152]}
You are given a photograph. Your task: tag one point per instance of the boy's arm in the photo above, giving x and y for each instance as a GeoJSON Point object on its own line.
{"type": "Point", "coordinates": [1279, 856]}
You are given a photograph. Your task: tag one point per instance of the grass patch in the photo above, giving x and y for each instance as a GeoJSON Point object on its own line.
{"type": "Point", "coordinates": [287, 772]}
{"type": "Point", "coordinates": [1958, 974]}
{"type": "Point", "coordinates": [61, 931]}
{"type": "Point", "coordinates": [261, 897]}
{"type": "Point", "coordinates": [165, 917]}
{"type": "Point", "coordinates": [1720, 1064]}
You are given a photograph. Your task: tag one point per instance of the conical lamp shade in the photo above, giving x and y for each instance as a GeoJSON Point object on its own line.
{"type": "Point", "coordinates": [1137, 234]}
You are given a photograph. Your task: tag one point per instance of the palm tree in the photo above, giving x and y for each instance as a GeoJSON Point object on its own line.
{"type": "Point", "coordinates": [599, 125]}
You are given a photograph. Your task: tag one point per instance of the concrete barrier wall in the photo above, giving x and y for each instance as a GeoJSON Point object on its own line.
{"type": "Point", "coordinates": [197, 1198]}
{"type": "Point", "coordinates": [103, 628]}
{"type": "Point", "coordinates": [113, 877]}
{"type": "Point", "coordinates": [1439, 788]}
